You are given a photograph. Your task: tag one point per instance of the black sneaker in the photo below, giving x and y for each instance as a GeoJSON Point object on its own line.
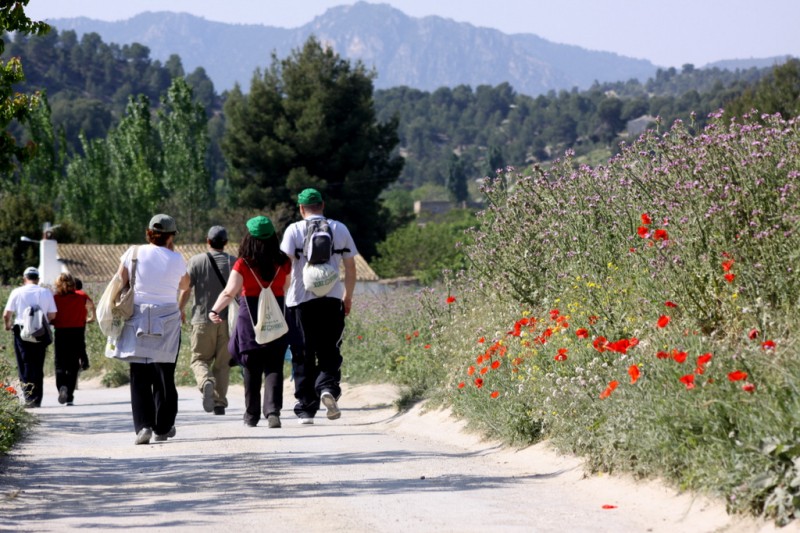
{"type": "Point", "coordinates": [208, 396]}
{"type": "Point", "coordinates": [168, 435]}
{"type": "Point", "coordinates": [219, 410]}
{"type": "Point", "coordinates": [274, 421]}
{"type": "Point", "coordinates": [63, 394]}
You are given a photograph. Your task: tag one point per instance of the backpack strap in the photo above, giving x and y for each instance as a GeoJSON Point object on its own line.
{"type": "Point", "coordinates": [216, 269]}
{"type": "Point", "coordinates": [134, 260]}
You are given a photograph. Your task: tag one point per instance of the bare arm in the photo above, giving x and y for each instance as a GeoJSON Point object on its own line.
{"type": "Point", "coordinates": [183, 297]}
{"type": "Point", "coordinates": [7, 320]}
{"type": "Point", "coordinates": [51, 317]}
{"type": "Point", "coordinates": [349, 282]}
{"type": "Point", "coordinates": [230, 291]}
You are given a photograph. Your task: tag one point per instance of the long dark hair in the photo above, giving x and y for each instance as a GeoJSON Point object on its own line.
{"type": "Point", "coordinates": [262, 255]}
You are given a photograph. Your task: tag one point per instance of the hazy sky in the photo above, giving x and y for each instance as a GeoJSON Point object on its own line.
{"type": "Point", "coordinates": [667, 32]}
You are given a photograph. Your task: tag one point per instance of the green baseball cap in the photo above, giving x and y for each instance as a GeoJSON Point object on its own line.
{"type": "Point", "coordinates": [260, 227]}
{"type": "Point", "coordinates": [309, 197]}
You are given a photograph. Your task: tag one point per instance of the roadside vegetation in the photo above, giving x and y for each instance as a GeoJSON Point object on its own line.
{"type": "Point", "coordinates": [641, 314]}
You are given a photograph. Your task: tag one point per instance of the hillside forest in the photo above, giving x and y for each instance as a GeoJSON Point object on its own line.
{"type": "Point", "coordinates": [172, 142]}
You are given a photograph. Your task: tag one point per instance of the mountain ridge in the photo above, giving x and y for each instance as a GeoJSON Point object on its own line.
{"type": "Point", "coordinates": [424, 53]}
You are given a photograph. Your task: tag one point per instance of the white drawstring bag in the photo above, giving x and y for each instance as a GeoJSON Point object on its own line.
{"type": "Point", "coordinates": [271, 324]}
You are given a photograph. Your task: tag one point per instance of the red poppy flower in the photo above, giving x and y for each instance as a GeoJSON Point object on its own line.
{"type": "Point", "coordinates": [494, 394]}
{"type": "Point", "coordinates": [495, 365]}
{"type": "Point", "coordinates": [582, 333]}
{"type": "Point", "coordinates": [661, 235]}
{"type": "Point", "coordinates": [478, 382]}
{"type": "Point", "coordinates": [646, 219]}
{"type": "Point", "coordinates": [554, 314]}
{"type": "Point", "coordinates": [633, 372]}
{"type": "Point", "coordinates": [670, 304]}
{"type": "Point", "coordinates": [408, 338]}
{"type": "Point", "coordinates": [360, 338]}
{"type": "Point", "coordinates": [427, 346]}
{"type": "Point", "coordinates": [737, 375]}
{"type": "Point", "coordinates": [484, 370]}
{"type": "Point", "coordinates": [753, 334]}
{"type": "Point", "coordinates": [547, 333]}
{"type": "Point", "coordinates": [704, 359]}
{"type": "Point", "coordinates": [593, 320]}
{"type": "Point", "coordinates": [450, 299]}
{"type": "Point", "coordinates": [642, 232]}
{"type": "Point", "coordinates": [663, 320]}
{"type": "Point", "coordinates": [727, 265]}
{"type": "Point", "coordinates": [516, 361]}
{"type": "Point", "coordinates": [416, 333]}
{"type": "Point", "coordinates": [749, 387]}
{"type": "Point", "coordinates": [662, 355]}
{"type": "Point", "coordinates": [768, 345]}
{"type": "Point", "coordinates": [600, 344]}
{"type": "Point", "coordinates": [562, 355]}
{"type": "Point", "coordinates": [730, 277]}
{"type": "Point", "coordinates": [523, 321]}
{"type": "Point", "coordinates": [620, 346]}
{"type": "Point", "coordinates": [481, 340]}
{"type": "Point", "coordinates": [687, 380]}
{"type": "Point", "coordinates": [462, 385]}
{"type": "Point", "coordinates": [632, 250]}
{"type": "Point", "coordinates": [611, 386]}
{"type": "Point", "coordinates": [680, 357]}
{"type": "Point", "coordinates": [633, 341]}
{"type": "Point", "coordinates": [470, 370]}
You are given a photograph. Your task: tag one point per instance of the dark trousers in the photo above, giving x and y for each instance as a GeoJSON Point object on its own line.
{"type": "Point", "coordinates": [30, 367]}
{"type": "Point", "coordinates": [70, 348]}
{"type": "Point", "coordinates": [266, 362]}
{"type": "Point", "coordinates": [315, 329]}
{"type": "Point", "coordinates": [154, 398]}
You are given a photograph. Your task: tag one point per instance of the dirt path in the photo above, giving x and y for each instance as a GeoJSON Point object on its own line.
{"type": "Point", "coordinates": [372, 470]}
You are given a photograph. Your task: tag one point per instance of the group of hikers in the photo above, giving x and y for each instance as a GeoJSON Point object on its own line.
{"type": "Point", "coordinates": [297, 274]}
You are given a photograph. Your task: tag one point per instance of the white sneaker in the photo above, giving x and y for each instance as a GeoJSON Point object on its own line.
{"type": "Point", "coordinates": [144, 435]}
{"type": "Point", "coordinates": [329, 402]}
{"type": "Point", "coordinates": [305, 421]}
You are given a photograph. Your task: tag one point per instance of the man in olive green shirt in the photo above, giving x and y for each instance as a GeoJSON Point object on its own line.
{"type": "Point", "coordinates": [209, 341]}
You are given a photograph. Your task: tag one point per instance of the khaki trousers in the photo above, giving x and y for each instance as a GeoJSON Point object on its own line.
{"type": "Point", "coordinates": [210, 358]}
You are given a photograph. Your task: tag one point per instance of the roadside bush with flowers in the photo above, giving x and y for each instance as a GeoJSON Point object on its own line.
{"type": "Point", "coordinates": [641, 314]}
{"type": "Point", "coordinates": [13, 417]}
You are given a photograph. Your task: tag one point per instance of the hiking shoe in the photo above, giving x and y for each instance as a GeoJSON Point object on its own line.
{"type": "Point", "coordinates": [144, 435]}
{"type": "Point", "coordinates": [274, 421]}
{"type": "Point", "coordinates": [307, 421]}
{"type": "Point", "coordinates": [219, 410]}
{"type": "Point", "coordinates": [168, 435]}
{"type": "Point", "coordinates": [208, 396]}
{"type": "Point", "coordinates": [329, 402]}
{"type": "Point", "coordinates": [250, 423]}
{"type": "Point", "coordinates": [63, 394]}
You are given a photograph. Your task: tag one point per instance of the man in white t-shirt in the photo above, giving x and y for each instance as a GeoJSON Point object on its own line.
{"type": "Point", "coordinates": [30, 355]}
{"type": "Point", "coordinates": [316, 321]}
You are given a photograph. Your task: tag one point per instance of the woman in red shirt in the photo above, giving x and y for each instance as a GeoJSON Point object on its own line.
{"type": "Point", "coordinates": [70, 338]}
{"type": "Point", "coordinates": [260, 264]}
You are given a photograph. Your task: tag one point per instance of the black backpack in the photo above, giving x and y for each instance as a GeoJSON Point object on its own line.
{"type": "Point", "coordinates": [318, 242]}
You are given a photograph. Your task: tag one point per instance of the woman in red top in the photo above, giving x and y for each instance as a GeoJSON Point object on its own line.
{"type": "Point", "coordinates": [70, 338]}
{"type": "Point", "coordinates": [260, 264]}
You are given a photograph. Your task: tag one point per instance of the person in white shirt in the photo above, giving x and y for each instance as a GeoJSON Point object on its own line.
{"type": "Point", "coordinates": [150, 339]}
{"type": "Point", "coordinates": [316, 318]}
{"type": "Point", "coordinates": [30, 355]}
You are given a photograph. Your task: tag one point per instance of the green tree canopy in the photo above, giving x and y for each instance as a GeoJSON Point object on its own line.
{"type": "Point", "coordinates": [13, 105]}
{"type": "Point", "coordinates": [309, 121]}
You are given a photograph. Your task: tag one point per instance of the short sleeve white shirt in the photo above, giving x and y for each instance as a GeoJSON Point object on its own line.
{"type": "Point", "coordinates": [158, 273]}
{"type": "Point", "coordinates": [29, 295]}
{"type": "Point", "coordinates": [293, 239]}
